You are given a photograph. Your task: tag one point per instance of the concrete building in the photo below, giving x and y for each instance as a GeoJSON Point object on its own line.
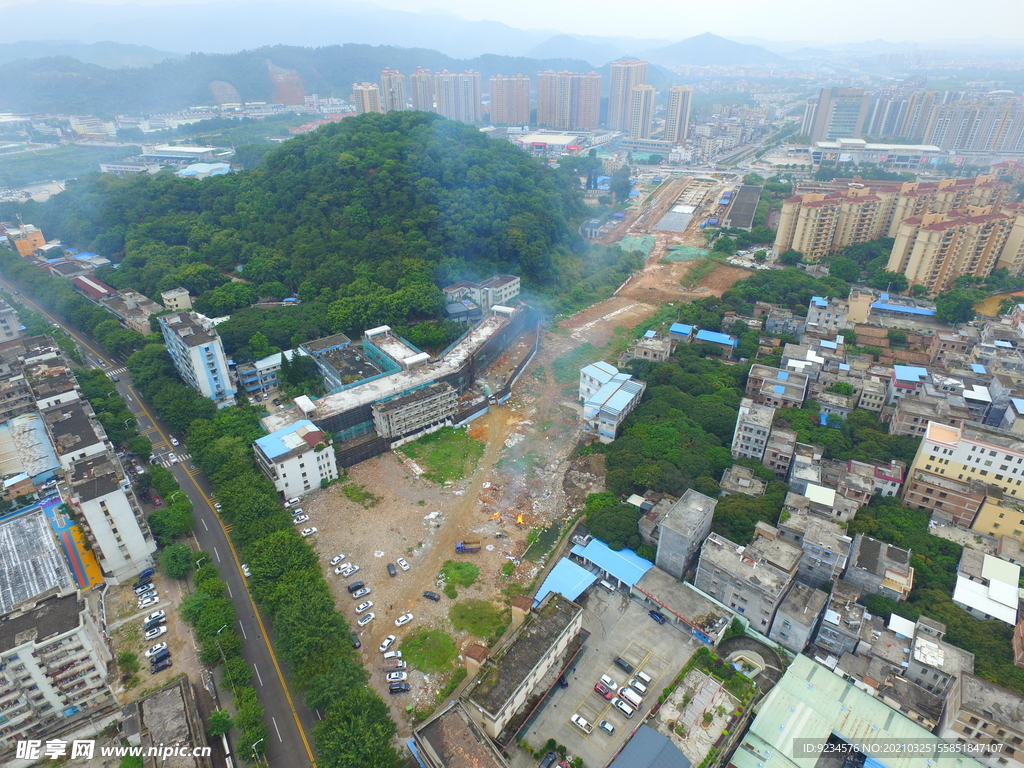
{"type": "Point", "coordinates": [826, 549]}
{"type": "Point", "coordinates": [776, 388]}
{"type": "Point", "coordinates": [650, 347]}
{"type": "Point", "coordinates": [421, 90]}
{"type": "Point", "coordinates": [999, 517]}
{"type": "Point", "coordinates": [797, 617]}
{"type": "Point", "coordinates": [840, 114]}
{"type": "Point", "coordinates": [778, 452]}
{"type": "Point", "coordinates": [451, 738]}
{"type": "Point", "coordinates": [198, 355]}
{"type": "Point", "coordinates": [740, 479]}
{"type": "Point", "coordinates": [879, 568]}
{"type": "Point", "coordinates": [595, 376]}
{"type": "Point", "coordinates": [54, 668]}
{"type": "Point", "coordinates": [512, 679]}
{"type": "Point", "coordinates": [424, 410]}
{"type": "Point", "coordinates": [75, 432]}
{"type": "Point", "coordinates": [751, 580]}
{"type": "Point", "coordinates": [569, 101]}
{"type": "Point", "coordinates": [960, 499]}
{"type": "Point", "coordinates": [682, 531]}
{"type": "Point", "coordinates": [843, 624]}
{"type": "Point", "coordinates": [753, 424]}
{"type": "Point", "coordinates": [495, 291]}
{"type": "Point", "coordinates": [641, 111]}
{"type": "Point", "coordinates": [985, 715]}
{"type": "Point", "coordinates": [458, 96]}
{"type": "Point", "coordinates": [625, 75]}
{"type": "Point", "coordinates": [991, 125]}
{"type": "Point", "coordinates": [366, 98]}
{"type": "Point", "coordinates": [10, 326]}
{"type": "Point", "coordinates": [297, 458]}
{"type": "Point", "coordinates": [176, 299]}
{"type": "Point", "coordinates": [25, 238]}
{"type": "Point", "coordinates": [912, 415]}
{"type": "Point", "coordinates": [779, 321]}
{"type": "Point", "coordinates": [606, 409]}
{"type": "Point", "coordinates": [683, 605]}
{"type": "Point", "coordinates": [510, 100]}
{"type": "Point", "coordinates": [987, 587]}
{"type": "Point", "coordinates": [827, 315]}
{"type": "Point", "coordinates": [677, 120]}
{"type": "Point", "coordinates": [261, 376]}
{"type": "Point", "coordinates": [933, 663]}
{"type": "Point", "coordinates": [110, 516]}
{"type": "Point", "coordinates": [392, 91]}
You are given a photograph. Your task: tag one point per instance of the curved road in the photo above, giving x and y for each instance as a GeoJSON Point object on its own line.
{"type": "Point", "coordinates": [288, 720]}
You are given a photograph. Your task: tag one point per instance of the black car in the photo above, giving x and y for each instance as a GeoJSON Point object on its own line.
{"type": "Point", "coordinates": [141, 583]}
{"type": "Point", "coordinates": [391, 570]}
{"type": "Point", "coordinates": [399, 688]}
{"type": "Point", "coordinates": [549, 760]}
{"type": "Point", "coordinates": [562, 682]}
{"type": "Point", "coordinates": [357, 585]}
{"type": "Point", "coordinates": [159, 657]}
{"type": "Point", "coordinates": [432, 596]}
{"type": "Point", "coordinates": [624, 665]}
{"type": "Point", "coordinates": [356, 642]}
{"type": "Point", "coordinates": [154, 624]}
{"type": "Point", "coordinates": [165, 664]}
{"type": "Point", "coordinates": [656, 616]}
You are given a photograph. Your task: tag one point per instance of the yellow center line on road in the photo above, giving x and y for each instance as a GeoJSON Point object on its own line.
{"type": "Point", "coordinates": [255, 610]}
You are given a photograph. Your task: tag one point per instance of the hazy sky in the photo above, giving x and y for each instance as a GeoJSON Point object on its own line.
{"type": "Point", "coordinates": [782, 20]}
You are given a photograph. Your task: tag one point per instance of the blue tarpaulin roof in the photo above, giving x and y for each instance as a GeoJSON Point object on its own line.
{"type": "Point", "coordinates": [680, 328]}
{"type": "Point", "coordinates": [650, 335]}
{"type": "Point", "coordinates": [716, 338]}
{"type": "Point", "coordinates": [899, 308]}
{"type": "Point", "coordinates": [910, 373]}
{"type": "Point", "coordinates": [779, 389]}
{"type": "Point", "coordinates": [567, 578]}
{"type": "Point", "coordinates": [625, 565]}
{"type": "Point", "coordinates": [818, 301]}
{"type": "Point", "coordinates": [783, 375]}
{"type": "Point", "coordinates": [977, 368]}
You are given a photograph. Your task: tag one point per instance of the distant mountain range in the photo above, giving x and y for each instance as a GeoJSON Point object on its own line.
{"type": "Point", "coordinates": [710, 50]}
{"type": "Point", "coordinates": [103, 54]}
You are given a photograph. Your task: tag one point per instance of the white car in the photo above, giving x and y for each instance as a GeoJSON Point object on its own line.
{"type": "Point", "coordinates": [349, 571]}
{"type": "Point", "coordinates": [363, 607]}
{"type": "Point", "coordinates": [173, 458]}
{"type": "Point", "coordinates": [397, 677]}
{"type": "Point", "coordinates": [366, 619]}
{"type": "Point", "coordinates": [297, 511]}
{"type": "Point", "coordinates": [174, 442]}
{"type": "Point", "coordinates": [623, 707]}
{"type": "Point", "coordinates": [337, 559]}
{"type": "Point", "coordinates": [403, 563]}
{"type": "Point", "coordinates": [246, 571]}
{"type": "Point", "coordinates": [155, 649]}
{"type": "Point", "coordinates": [216, 505]}
{"type": "Point", "coordinates": [404, 619]}
{"type": "Point", "coordinates": [388, 642]}
{"type": "Point", "coordinates": [156, 632]}
{"type": "Point", "coordinates": [157, 615]}
{"type": "Point", "coordinates": [390, 655]}
{"type": "Point", "coordinates": [300, 519]}
{"type": "Point", "coordinates": [290, 503]}
{"type": "Point", "coordinates": [342, 567]}
{"type": "Point", "coordinates": [148, 601]}
{"type": "Point", "coordinates": [363, 592]}
{"type": "Point", "coordinates": [308, 531]}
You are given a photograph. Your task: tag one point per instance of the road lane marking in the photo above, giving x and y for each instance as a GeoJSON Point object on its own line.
{"type": "Point", "coordinates": [276, 728]}
{"type": "Point", "coordinates": [258, 675]}
{"type": "Point", "coordinates": [217, 554]}
{"type": "Point", "coordinates": [204, 524]}
{"type": "Point", "coordinates": [229, 591]}
{"type": "Point", "coordinates": [240, 624]}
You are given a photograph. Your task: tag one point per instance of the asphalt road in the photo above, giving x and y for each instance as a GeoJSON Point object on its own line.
{"type": "Point", "coordinates": [288, 720]}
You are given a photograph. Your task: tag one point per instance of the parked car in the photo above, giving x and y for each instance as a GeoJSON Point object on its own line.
{"type": "Point", "coordinates": [361, 592]}
{"type": "Point", "coordinates": [391, 570]}
{"type": "Point", "coordinates": [148, 625]}
{"type": "Point", "coordinates": [143, 586]}
{"type": "Point", "coordinates": [246, 571]}
{"type": "Point", "coordinates": [364, 607]}
{"type": "Point", "coordinates": [155, 650]}
{"type": "Point", "coordinates": [356, 642]}
{"type": "Point", "coordinates": [404, 619]}
{"type": "Point", "coordinates": [397, 677]}
{"type": "Point", "coordinates": [342, 567]}
{"type": "Point", "coordinates": [157, 615]}
{"type": "Point", "coordinates": [562, 682]}
{"type": "Point", "coordinates": [403, 563]}
{"type": "Point", "coordinates": [637, 686]}
{"type": "Point", "coordinates": [355, 585]}
{"type": "Point", "coordinates": [156, 632]}
{"type": "Point", "coordinates": [624, 665]}
{"type": "Point", "coordinates": [290, 503]}
{"type": "Point", "coordinates": [299, 519]}
{"type": "Point", "coordinates": [607, 727]}
{"type": "Point", "coordinates": [394, 665]}
{"type": "Point", "coordinates": [388, 642]}
{"type": "Point", "coordinates": [389, 655]}
{"type": "Point", "coordinates": [297, 511]}
{"type": "Point", "coordinates": [165, 664]}
{"type": "Point", "coordinates": [349, 571]}
{"type": "Point", "coordinates": [146, 593]}
{"type": "Point", "coordinates": [432, 596]}
{"type": "Point", "coordinates": [308, 531]}
{"type": "Point", "coordinates": [337, 559]}
{"type": "Point", "coordinates": [609, 683]}
{"type": "Point", "coordinates": [399, 688]}
{"type": "Point", "coordinates": [656, 616]}
{"type": "Point", "coordinates": [145, 602]}
{"type": "Point", "coordinates": [602, 691]}
{"type": "Point", "coordinates": [156, 501]}
{"type": "Point", "coordinates": [363, 621]}
{"type": "Point", "coordinates": [549, 760]}
{"type": "Point", "coordinates": [160, 656]}
{"type": "Point", "coordinates": [623, 707]}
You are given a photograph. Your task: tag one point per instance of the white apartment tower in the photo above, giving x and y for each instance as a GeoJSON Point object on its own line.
{"type": "Point", "coordinates": [510, 100]}
{"type": "Point", "coordinates": [641, 112]}
{"type": "Point", "coordinates": [392, 91]}
{"type": "Point", "coordinates": [296, 458]}
{"type": "Point", "coordinates": [421, 90]}
{"type": "Point", "coordinates": [677, 122]}
{"type": "Point", "coordinates": [198, 354]}
{"type": "Point", "coordinates": [366, 97]}
{"type": "Point", "coordinates": [458, 96]}
{"type": "Point", "coordinates": [625, 75]}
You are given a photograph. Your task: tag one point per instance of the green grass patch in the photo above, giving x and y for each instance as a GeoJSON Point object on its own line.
{"type": "Point", "coordinates": [448, 454]}
{"type": "Point", "coordinates": [359, 495]}
{"type": "Point", "coordinates": [450, 591]}
{"type": "Point", "coordinates": [567, 367]}
{"type": "Point", "coordinates": [702, 270]}
{"type": "Point", "coordinates": [460, 573]}
{"type": "Point", "coordinates": [479, 617]}
{"type": "Point", "coordinates": [430, 650]}
{"type": "Point", "coordinates": [453, 682]}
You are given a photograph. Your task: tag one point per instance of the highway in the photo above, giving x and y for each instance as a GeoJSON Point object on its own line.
{"type": "Point", "coordinates": [287, 718]}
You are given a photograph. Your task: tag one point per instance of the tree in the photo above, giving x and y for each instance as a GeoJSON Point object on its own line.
{"type": "Point", "coordinates": [176, 560]}
{"type": "Point", "coordinates": [918, 289]}
{"type": "Point", "coordinates": [791, 258]}
{"type": "Point", "coordinates": [220, 723]}
{"type": "Point", "coordinates": [896, 337]}
{"type": "Point", "coordinates": [620, 185]}
{"type": "Point", "coordinates": [845, 269]}
{"type": "Point", "coordinates": [955, 307]}
{"type": "Point", "coordinates": [357, 732]}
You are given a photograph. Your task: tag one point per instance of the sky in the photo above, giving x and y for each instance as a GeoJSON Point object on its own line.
{"type": "Point", "coordinates": [779, 20]}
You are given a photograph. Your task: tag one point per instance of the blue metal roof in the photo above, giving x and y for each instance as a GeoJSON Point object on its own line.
{"type": "Point", "coordinates": [885, 296]}
{"type": "Point", "coordinates": [650, 749]}
{"type": "Point", "coordinates": [1003, 343]}
{"type": "Point", "coordinates": [818, 301]}
{"type": "Point", "coordinates": [844, 367]}
{"type": "Point", "coordinates": [910, 373]}
{"type": "Point", "coordinates": [650, 335]}
{"type": "Point", "coordinates": [681, 328]}
{"type": "Point", "coordinates": [828, 344]}
{"type": "Point", "coordinates": [779, 389]}
{"type": "Point", "coordinates": [716, 338]}
{"type": "Point", "coordinates": [625, 565]}
{"type": "Point", "coordinates": [898, 308]}
{"type": "Point", "coordinates": [567, 578]}
{"type": "Point", "coordinates": [280, 442]}
{"type": "Point", "coordinates": [978, 368]}
{"type": "Point", "coordinates": [784, 375]}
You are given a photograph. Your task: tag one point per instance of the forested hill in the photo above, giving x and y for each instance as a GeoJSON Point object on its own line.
{"type": "Point", "coordinates": [367, 217]}
{"type": "Point", "coordinates": [64, 85]}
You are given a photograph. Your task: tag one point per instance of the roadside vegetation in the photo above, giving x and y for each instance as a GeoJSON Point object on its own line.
{"type": "Point", "coordinates": [446, 456]}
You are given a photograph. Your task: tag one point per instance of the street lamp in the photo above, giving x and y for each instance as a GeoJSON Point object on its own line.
{"type": "Point", "coordinates": [199, 561]}
{"type": "Point", "coordinates": [129, 421]}
{"type": "Point", "coordinates": [216, 639]}
{"type": "Point", "coordinates": [254, 745]}
{"type": "Point", "coordinates": [113, 393]}
{"type": "Point", "coordinates": [175, 493]}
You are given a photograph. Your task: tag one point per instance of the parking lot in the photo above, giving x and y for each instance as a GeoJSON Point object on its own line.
{"type": "Point", "coordinates": [618, 627]}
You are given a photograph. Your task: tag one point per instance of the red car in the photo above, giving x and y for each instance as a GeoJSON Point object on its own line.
{"type": "Point", "coordinates": [156, 500]}
{"type": "Point", "coordinates": [602, 690]}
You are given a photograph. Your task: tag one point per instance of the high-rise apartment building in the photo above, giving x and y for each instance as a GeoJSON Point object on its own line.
{"type": "Point", "coordinates": [198, 353]}
{"type": "Point", "coordinates": [641, 112]}
{"type": "Point", "coordinates": [935, 249]}
{"type": "Point", "coordinates": [366, 97]}
{"type": "Point", "coordinates": [392, 91]}
{"type": "Point", "coordinates": [677, 121]}
{"type": "Point", "coordinates": [458, 96]}
{"type": "Point", "coordinates": [510, 100]}
{"type": "Point", "coordinates": [992, 126]}
{"type": "Point", "coordinates": [840, 114]}
{"type": "Point", "coordinates": [569, 101]}
{"type": "Point", "coordinates": [421, 90]}
{"type": "Point", "coordinates": [625, 75]}
{"type": "Point", "coordinates": [915, 118]}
